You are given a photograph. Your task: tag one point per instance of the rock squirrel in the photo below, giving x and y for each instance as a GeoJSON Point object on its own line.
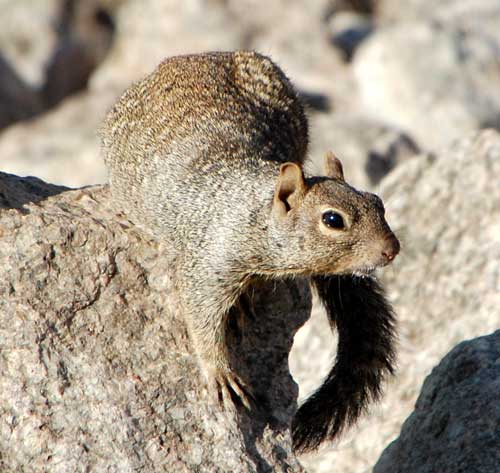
{"type": "Point", "coordinates": [206, 153]}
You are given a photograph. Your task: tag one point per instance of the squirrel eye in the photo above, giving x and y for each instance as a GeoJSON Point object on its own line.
{"type": "Point", "coordinates": [333, 220]}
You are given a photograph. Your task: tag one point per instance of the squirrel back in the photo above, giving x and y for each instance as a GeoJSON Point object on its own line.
{"type": "Point", "coordinates": [200, 115]}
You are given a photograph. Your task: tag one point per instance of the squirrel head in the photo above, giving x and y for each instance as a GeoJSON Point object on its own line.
{"type": "Point", "coordinates": [333, 227]}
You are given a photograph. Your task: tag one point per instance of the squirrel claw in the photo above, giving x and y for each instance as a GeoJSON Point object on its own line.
{"type": "Point", "coordinates": [229, 391]}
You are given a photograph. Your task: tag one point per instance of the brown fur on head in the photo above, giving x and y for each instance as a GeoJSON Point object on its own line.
{"type": "Point", "coordinates": [341, 228]}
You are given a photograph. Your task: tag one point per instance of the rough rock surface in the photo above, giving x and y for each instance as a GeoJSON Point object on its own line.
{"type": "Point", "coordinates": [96, 369]}
{"type": "Point", "coordinates": [457, 412]}
{"type": "Point", "coordinates": [435, 81]}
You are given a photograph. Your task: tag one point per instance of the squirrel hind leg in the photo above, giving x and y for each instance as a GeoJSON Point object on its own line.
{"type": "Point", "coordinates": [209, 326]}
{"type": "Point", "coordinates": [365, 322]}
{"type": "Point", "coordinates": [226, 387]}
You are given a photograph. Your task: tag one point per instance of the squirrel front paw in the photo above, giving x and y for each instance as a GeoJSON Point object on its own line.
{"type": "Point", "coordinates": [227, 389]}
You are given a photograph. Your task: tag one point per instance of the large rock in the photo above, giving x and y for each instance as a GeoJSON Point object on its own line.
{"type": "Point", "coordinates": [18, 101]}
{"type": "Point", "coordinates": [445, 285]}
{"type": "Point", "coordinates": [49, 49]}
{"type": "Point", "coordinates": [446, 208]}
{"type": "Point", "coordinates": [60, 146]}
{"type": "Point", "coordinates": [435, 81]}
{"type": "Point", "coordinates": [455, 427]}
{"type": "Point", "coordinates": [368, 149]}
{"type": "Point", "coordinates": [27, 36]}
{"type": "Point", "coordinates": [97, 372]}
{"type": "Point", "coordinates": [483, 14]}
{"type": "Point", "coordinates": [85, 32]}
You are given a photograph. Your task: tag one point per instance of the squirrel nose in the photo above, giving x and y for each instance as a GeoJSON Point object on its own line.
{"type": "Point", "coordinates": [391, 248]}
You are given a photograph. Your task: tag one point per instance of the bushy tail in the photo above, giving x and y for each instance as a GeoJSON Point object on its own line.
{"type": "Point", "coordinates": [365, 322]}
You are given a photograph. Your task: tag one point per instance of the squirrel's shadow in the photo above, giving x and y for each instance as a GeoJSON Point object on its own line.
{"type": "Point", "coordinates": [261, 328]}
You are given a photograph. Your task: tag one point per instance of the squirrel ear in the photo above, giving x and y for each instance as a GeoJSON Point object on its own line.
{"type": "Point", "coordinates": [290, 188]}
{"type": "Point", "coordinates": [333, 166]}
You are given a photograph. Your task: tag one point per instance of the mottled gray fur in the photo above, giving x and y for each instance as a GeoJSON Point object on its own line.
{"type": "Point", "coordinates": [196, 153]}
